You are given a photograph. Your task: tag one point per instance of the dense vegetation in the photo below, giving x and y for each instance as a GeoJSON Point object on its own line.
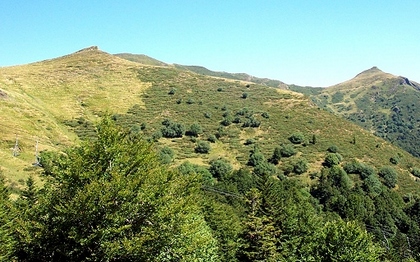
{"type": "Point", "coordinates": [112, 199]}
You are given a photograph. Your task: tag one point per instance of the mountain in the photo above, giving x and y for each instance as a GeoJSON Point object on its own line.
{"type": "Point", "coordinates": [380, 102]}
{"type": "Point", "coordinates": [143, 59]}
{"type": "Point", "coordinates": [57, 102]}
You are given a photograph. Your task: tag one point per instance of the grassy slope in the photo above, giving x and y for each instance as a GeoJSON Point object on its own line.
{"type": "Point", "coordinates": [40, 97]}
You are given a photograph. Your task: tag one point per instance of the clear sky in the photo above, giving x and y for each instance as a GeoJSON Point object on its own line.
{"type": "Point", "coordinates": [305, 42]}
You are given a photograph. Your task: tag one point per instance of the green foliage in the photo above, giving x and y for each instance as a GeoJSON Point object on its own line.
{"type": "Point", "coordinates": [332, 159]}
{"type": "Point", "coordinates": [195, 130]}
{"type": "Point", "coordinates": [300, 166]}
{"type": "Point", "coordinates": [347, 241]}
{"type": "Point", "coordinates": [297, 138]}
{"type": "Point", "coordinates": [171, 129]}
{"type": "Point", "coordinates": [212, 138]}
{"type": "Point", "coordinates": [111, 200]}
{"type": "Point", "coordinates": [275, 158]}
{"type": "Point", "coordinates": [332, 149]}
{"type": "Point", "coordinates": [7, 241]}
{"type": "Point", "coordinates": [166, 154]}
{"type": "Point", "coordinates": [172, 91]}
{"type": "Point", "coordinates": [372, 185]}
{"type": "Point", "coordinates": [394, 160]}
{"type": "Point", "coordinates": [265, 115]}
{"type": "Point", "coordinates": [244, 95]}
{"type": "Point", "coordinates": [202, 147]}
{"type": "Point", "coordinates": [389, 175]}
{"type": "Point", "coordinates": [251, 122]}
{"type": "Point", "coordinates": [256, 157]}
{"type": "Point", "coordinates": [220, 168]}
{"type": "Point", "coordinates": [287, 150]}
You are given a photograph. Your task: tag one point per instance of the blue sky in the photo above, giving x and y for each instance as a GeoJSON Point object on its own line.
{"type": "Point", "coordinates": [305, 42]}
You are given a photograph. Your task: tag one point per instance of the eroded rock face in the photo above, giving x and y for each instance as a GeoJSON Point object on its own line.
{"type": "Point", "coordinates": [3, 95]}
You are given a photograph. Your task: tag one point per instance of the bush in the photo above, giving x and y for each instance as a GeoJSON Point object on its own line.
{"type": "Point", "coordinates": [172, 91]}
{"type": "Point", "coordinates": [372, 185]}
{"type": "Point", "coordinates": [300, 166]}
{"type": "Point", "coordinates": [207, 115]}
{"type": "Point", "coordinates": [220, 168]}
{"type": "Point", "coordinates": [244, 95]}
{"type": "Point", "coordinates": [394, 160]}
{"type": "Point", "coordinates": [251, 122]}
{"type": "Point", "coordinates": [332, 159]}
{"type": "Point", "coordinates": [172, 129]}
{"type": "Point", "coordinates": [212, 138]}
{"type": "Point", "coordinates": [275, 158]}
{"type": "Point", "coordinates": [265, 115]}
{"type": "Point", "coordinates": [195, 130]}
{"type": "Point", "coordinates": [297, 138]}
{"type": "Point", "coordinates": [389, 175]}
{"type": "Point", "coordinates": [166, 155]}
{"type": "Point", "coordinates": [332, 149]}
{"type": "Point", "coordinates": [287, 150]}
{"type": "Point", "coordinates": [255, 158]}
{"type": "Point", "coordinates": [202, 147]}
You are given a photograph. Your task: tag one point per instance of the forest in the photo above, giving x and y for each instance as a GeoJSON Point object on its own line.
{"type": "Point", "coordinates": [116, 198]}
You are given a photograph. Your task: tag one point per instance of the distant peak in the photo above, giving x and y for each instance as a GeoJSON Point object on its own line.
{"type": "Point", "coordinates": [371, 71]}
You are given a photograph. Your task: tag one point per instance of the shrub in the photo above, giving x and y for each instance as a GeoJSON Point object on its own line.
{"type": "Point", "coordinates": [207, 115]}
{"type": "Point", "coordinates": [156, 135]}
{"type": "Point", "coordinates": [389, 175]}
{"type": "Point", "coordinates": [297, 138]}
{"type": "Point", "coordinates": [332, 159]}
{"type": "Point", "coordinates": [255, 158]}
{"type": "Point", "coordinates": [220, 168]}
{"type": "Point", "coordinates": [265, 115]}
{"type": "Point", "coordinates": [276, 155]}
{"type": "Point", "coordinates": [166, 155]}
{"type": "Point", "coordinates": [300, 166]}
{"type": "Point", "coordinates": [251, 122]}
{"type": "Point", "coordinates": [219, 89]}
{"type": "Point", "coordinates": [202, 147]}
{"type": "Point", "coordinates": [372, 185]}
{"type": "Point", "coordinates": [332, 149]}
{"type": "Point", "coordinates": [287, 150]}
{"type": "Point", "coordinates": [212, 138]}
{"type": "Point", "coordinates": [172, 91]}
{"type": "Point", "coordinates": [394, 160]}
{"type": "Point", "coordinates": [244, 95]}
{"type": "Point", "coordinates": [172, 129]}
{"type": "Point", "coordinates": [190, 101]}
{"type": "Point", "coordinates": [195, 130]}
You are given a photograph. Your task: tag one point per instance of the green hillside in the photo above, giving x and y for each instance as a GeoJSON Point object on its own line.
{"type": "Point", "coordinates": [382, 103]}
{"type": "Point", "coordinates": [160, 163]}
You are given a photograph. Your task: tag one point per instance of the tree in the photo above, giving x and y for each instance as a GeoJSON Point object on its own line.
{"type": "Point", "coordinates": [287, 150]}
{"type": "Point", "coordinates": [195, 130]}
{"type": "Point", "coordinates": [255, 157]}
{"type": "Point", "coordinates": [347, 242]}
{"type": "Point", "coordinates": [112, 200]}
{"type": "Point", "coordinates": [172, 129]}
{"type": "Point", "coordinates": [7, 241]}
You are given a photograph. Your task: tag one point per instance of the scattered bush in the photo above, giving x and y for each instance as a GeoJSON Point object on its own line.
{"type": "Point", "coordinates": [300, 166]}
{"type": "Point", "coordinates": [166, 155]}
{"type": "Point", "coordinates": [265, 115]}
{"type": "Point", "coordinates": [172, 91]}
{"type": "Point", "coordinates": [251, 122]}
{"type": "Point", "coordinates": [171, 129]}
{"type": "Point", "coordinates": [297, 138]}
{"type": "Point", "coordinates": [244, 95]}
{"type": "Point", "coordinates": [287, 150]}
{"type": "Point", "coordinates": [249, 141]}
{"type": "Point", "coordinates": [332, 149]}
{"type": "Point", "coordinates": [332, 159]}
{"type": "Point", "coordinates": [256, 157]}
{"type": "Point", "coordinates": [394, 160]}
{"type": "Point", "coordinates": [202, 147]}
{"type": "Point", "coordinates": [212, 138]}
{"type": "Point", "coordinates": [195, 130]}
{"type": "Point", "coordinates": [207, 115]}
